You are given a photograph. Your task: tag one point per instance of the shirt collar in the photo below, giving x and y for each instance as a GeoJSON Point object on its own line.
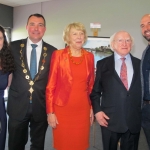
{"type": "Point", "coordinates": [117, 56]}
{"type": "Point", "coordinates": [30, 42]}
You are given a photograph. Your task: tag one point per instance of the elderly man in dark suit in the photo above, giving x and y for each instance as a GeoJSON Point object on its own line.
{"type": "Point", "coordinates": [145, 75]}
{"type": "Point", "coordinates": [118, 86]}
{"type": "Point", "coordinates": [26, 100]}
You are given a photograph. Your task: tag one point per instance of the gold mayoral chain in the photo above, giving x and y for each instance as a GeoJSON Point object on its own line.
{"type": "Point", "coordinates": [31, 82]}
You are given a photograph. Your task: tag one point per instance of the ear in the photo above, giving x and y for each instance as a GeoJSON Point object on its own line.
{"type": "Point", "coordinates": [113, 45]}
{"type": "Point", "coordinates": [45, 28]}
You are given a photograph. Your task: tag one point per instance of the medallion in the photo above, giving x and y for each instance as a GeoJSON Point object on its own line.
{"type": "Point", "coordinates": [43, 61]}
{"type": "Point", "coordinates": [45, 49]}
{"type": "Point", "coordinates": [31, 82]}
{"type": "Point", "coordinates": [31, 90]}
{"type": "Point", "coordinates": [24, 70]}
{"type": "Point", "coordinates": [27, 77]}
{"type": "Point", "coordinates": [44, 54]}
{"type": "Point", "coordinates": [22, 45]}
{"type": "Point", "coordinates": [42, 67]}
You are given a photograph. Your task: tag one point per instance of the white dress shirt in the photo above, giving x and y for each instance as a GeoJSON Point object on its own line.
{"type": "Point", "coordinates": [128, 62]}
{"type": "Point", "coordinates": [38, 51]}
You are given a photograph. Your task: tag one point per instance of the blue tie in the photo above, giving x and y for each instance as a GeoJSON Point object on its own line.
{"type": "Point", "coordinates": [33, 62]}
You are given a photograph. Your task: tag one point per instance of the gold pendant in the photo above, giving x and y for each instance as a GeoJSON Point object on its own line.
{"type": "Point", "coordinates": [31, 82]}
{"type": "Point", "coordinates": [31, 90]}
{"type": "Point", "coordinates": [22, 45]}
{"type": "Point", "coordinates": [44, 54]}
{"type": "Point", "coordinates": [27, 77]}
{"type": "Point", "coordinates": [24, 71]}
{"type": "Point", "coordinates": [45, 48]}
{"type": "Point", "coordinates": [42, 67]}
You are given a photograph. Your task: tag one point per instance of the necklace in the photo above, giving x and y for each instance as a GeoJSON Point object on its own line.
{"type": "Point", "coordinates": [27, 76]}
{"type": "Point", "coordinates": [74, 62]}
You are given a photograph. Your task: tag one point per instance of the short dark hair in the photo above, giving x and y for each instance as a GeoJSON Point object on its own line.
{"type": "Point", "coordinates": [38, 16]}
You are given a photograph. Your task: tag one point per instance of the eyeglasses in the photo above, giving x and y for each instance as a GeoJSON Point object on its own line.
{"type": "Point", "coordinates": [123, 40]}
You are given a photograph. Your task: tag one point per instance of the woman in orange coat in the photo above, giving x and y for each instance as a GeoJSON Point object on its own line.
{"type": "Point", "coordinates": [67, 92]}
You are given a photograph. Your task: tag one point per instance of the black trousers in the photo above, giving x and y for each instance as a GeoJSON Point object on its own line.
{"type": "Point", "coordinates": [18, 132]}
{"type": "Point", "coordinates": [3, 127]}
{"type": "Point", "coordinates": [128, 141]}
{"type": "Point", "coordinates": [146, 122]}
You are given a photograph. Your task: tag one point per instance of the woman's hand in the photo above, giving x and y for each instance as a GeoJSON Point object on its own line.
{"type": "Point", "coordinates": [52, 120]}
{"type": "Point", "coordinates": [91, 116]}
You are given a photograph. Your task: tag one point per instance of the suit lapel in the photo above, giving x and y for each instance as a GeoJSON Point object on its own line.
{"type": "Point", "coordinates": [41, 56]}
{"type": "Point", "coordinates": [111, 67]}
{"type": "Point", "coordinates": [24, 52]}
{"type": "Point", "coordinates": [135, 71]}
{"type": "Point", "coordinates": [66, 63]}
{"type": "Point", "coordinates": [142, 80]}
{"type": "Point", "coordinates": [43, 59]}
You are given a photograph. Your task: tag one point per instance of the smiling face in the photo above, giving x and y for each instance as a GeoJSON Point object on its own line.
{"type": "Point", "coordinates": [145, 27]}
{"type": "Point", "coordinates": [122, 43]}
{"type": "Point", "coordinates": [76, 39]}
{"type": "Point", "coordinates": [36, 28]}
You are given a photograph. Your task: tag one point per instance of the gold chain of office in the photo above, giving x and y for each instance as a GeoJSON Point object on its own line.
{"type": "Point", "coordinates": [30, 81]}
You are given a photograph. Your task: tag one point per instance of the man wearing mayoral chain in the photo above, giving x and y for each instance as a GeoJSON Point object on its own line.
{"type": "Point", "coordinates": [26, 100]}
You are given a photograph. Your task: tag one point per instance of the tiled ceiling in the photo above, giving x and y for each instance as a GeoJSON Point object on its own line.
{"type": "Point", "coordinates": [15, 3]}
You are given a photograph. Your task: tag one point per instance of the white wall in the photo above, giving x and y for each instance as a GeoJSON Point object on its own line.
{"type": "Point", "coordinates": [114, 15]}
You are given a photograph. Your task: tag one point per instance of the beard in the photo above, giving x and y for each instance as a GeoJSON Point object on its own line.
{"type": "Point", "coordinates": [146, 37]}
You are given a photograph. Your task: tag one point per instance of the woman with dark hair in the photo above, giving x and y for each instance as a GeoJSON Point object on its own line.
{"type": "Point", "coordinates": [6, 67]}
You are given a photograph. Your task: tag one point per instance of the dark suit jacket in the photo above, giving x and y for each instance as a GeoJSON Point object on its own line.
{"type": "Point", "coordinates": [60, 81]}
{"type": "Point", "coordinates": [18, 98]}
{"type": "Point", "coordinates": [142, 78]}
{"type": "Point", "coordinates": [122, 107]}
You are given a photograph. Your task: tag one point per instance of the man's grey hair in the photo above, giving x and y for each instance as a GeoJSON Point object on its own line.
{"type": "Point", "coordinates": [113, 36]}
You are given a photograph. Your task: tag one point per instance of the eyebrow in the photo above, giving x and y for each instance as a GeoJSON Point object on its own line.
{"type": "Point", "coordinates": [38, 23]}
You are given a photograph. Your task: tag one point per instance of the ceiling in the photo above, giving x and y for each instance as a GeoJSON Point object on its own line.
{"type": "Point", "coordinates": [15, 3]}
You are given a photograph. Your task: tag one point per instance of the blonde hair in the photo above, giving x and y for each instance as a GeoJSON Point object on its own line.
{"type": "Point", "coordinates": [75, 25]}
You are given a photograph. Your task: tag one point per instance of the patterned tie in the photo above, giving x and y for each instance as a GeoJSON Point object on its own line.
{"type": "Point", "coordinates": [33, 62]}
{"type": "Point", "coordinates": [123, 73]}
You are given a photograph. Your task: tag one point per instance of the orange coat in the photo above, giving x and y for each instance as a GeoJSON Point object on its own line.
{"type": "Point", "coordinates": [60, 78]}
